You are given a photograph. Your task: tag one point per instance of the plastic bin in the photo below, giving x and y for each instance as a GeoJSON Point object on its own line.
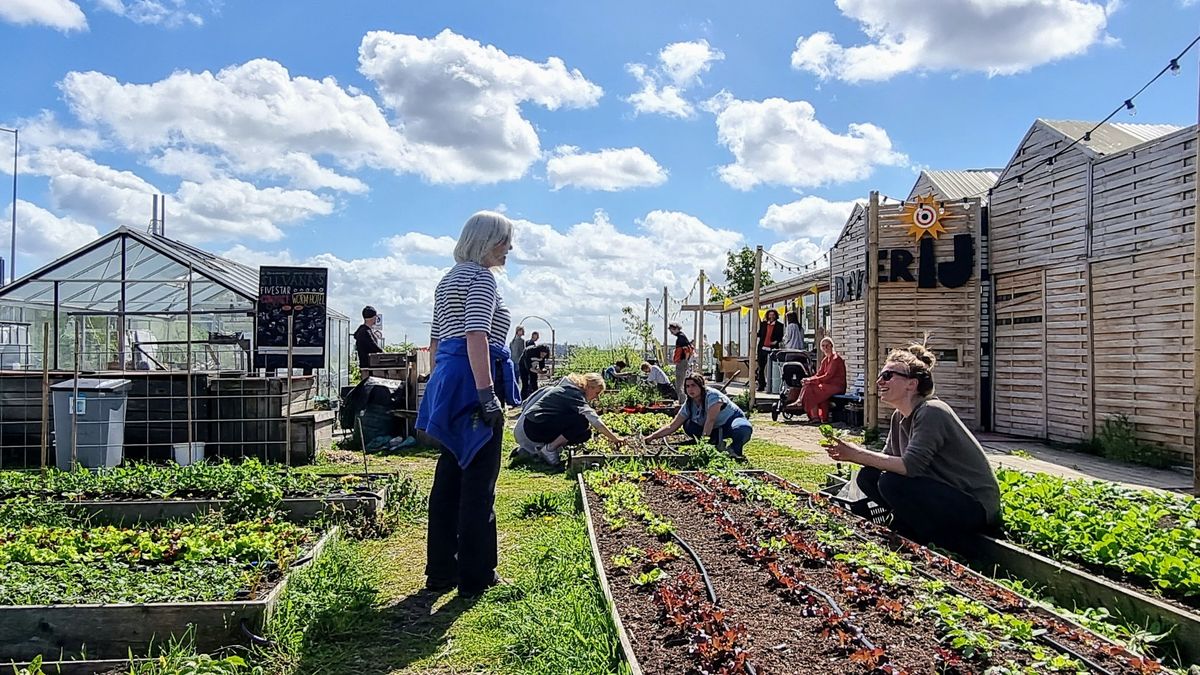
{"type": "Point", "coordinates": [98, 416]}
{"type": "Point", "coordinates": [186, 454]}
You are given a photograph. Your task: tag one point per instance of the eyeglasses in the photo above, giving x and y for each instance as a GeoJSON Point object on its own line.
{"type": "Point", "coordinates": [887, 375]}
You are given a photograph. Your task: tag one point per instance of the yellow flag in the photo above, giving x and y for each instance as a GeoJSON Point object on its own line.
{"type": "Point", "coordinates": [762, 314]}
{"type": "Point", "coordinates": [814, 290]}
{"type": "Point", "coordinates": [800, 302]}
{"type": "Point", "coordinates": [745, 311]}
{"type": "Point", "coordinates": [728, 303]}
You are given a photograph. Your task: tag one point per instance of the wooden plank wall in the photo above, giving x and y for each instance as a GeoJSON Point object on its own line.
{"type": "Point", "coordinates": [1117, 272]}
{"type": "Point", "coordinates": [1042, 219]}
{"type": "Point", "coordinates": [1019, 390]}
{"type": "Point", "coordinates": [847, 320]}
{"type": "Point", "coordinates": [907, 313]}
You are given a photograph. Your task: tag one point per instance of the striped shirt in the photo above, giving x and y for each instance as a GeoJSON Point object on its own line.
{"type": "Point", "coordinates": [466, 299]}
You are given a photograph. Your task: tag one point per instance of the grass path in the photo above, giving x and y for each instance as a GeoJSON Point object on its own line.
{"type": "Point", "coordinates": [556, 623]}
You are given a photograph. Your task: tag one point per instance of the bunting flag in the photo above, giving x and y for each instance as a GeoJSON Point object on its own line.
{"type": "Point", "coordinates": [728, 303]}
{"type": "Point", "coordinates": [762, 314]}
{"type": "Point", "coordinates": [800, 302]}
{"type": "Point", "coordinates": [745, 311]}
{"type": "Point", "coordinates": [814, 290]}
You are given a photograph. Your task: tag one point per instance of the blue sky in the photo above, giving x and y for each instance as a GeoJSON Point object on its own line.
{"type": "Point", "coordinates": [633, 143]}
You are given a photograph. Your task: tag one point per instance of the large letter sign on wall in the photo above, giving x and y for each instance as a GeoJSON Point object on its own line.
{"type": "Point", "coordinates": [895, 264]}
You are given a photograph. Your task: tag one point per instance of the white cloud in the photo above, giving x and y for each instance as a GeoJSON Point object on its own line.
{"type": "Point", "coordinates": [798, 252]}
{"type": "Point", "coordinates": [44, 130]}
{"type": "Point", "coordinates": [456, 107]}
{"type": "Point", "coordinates": [253, 119]}
{"type": "Point", "coordinates": [459, 102]}
{"type": "Point", "coordinates": [610, 170]}
{"type": "Point", "coordinates": [166, 13]}
{"type": "Point", "coordinates": [810, 217]}
{"type": "Point", "coordinates": [64, 15]}
{"type": "Point", "coordinates": [679, 68]}
{"type": "Point", "coordinates": [217, 209]}
{"type": "Point", "coordinates": [781, 142]}
{"type": "Point", "coordinates": [997, 37]}
{"type": "Point", "coordinates": [577, 276]}
{"type": "Point", "coordinates": [43, 236]}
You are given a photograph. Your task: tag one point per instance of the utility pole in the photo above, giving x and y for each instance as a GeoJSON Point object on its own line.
{"type": "Point", "coordinates": [12, 255]}
{"type": "Point", "coordinates": [665, 333]}
{"type": "Point", "coordinates": [752, 378]}
{"type": "Point", "coordinates": [646, 329]}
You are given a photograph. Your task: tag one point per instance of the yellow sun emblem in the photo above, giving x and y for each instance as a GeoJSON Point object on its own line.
{"type": "Point", "coordinates": [924, 217]}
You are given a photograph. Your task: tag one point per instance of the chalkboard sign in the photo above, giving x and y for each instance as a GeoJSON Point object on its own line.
{"type": "Point", "coordinates": [301, 293]}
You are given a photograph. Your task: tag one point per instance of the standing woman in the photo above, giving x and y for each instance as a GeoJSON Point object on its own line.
{"type": "Point", "coordinates": [829, 381]}
{"type": "Point", "coordinates": [793, 337]}
{"type": "Point", "coordinates": [462, 411]}
{"type": "Point", "coordinates": [681, 356]}
{"type": "Point", "coordinates": [770, 336]}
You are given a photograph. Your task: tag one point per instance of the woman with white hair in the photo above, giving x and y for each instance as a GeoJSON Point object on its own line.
{"type": "Point", "coordinates": [461, 408]}
{"type": "Point", "coordinates": [560, 415]}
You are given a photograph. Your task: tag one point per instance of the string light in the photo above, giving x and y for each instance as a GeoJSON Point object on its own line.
{"type": "Point", "coordinates": [1172, 67]}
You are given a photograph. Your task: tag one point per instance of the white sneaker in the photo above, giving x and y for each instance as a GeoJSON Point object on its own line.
{"type": "Point", "coordinates": [550, 456]}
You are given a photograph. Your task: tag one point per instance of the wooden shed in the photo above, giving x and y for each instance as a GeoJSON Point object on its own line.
{"type": "Point", "coordinates": [1093, 261]}
{"type": "Point", "coordinates": [900, 271]}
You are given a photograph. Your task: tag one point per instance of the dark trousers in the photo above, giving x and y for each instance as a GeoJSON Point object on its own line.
{"type": "Point", "coordinates": [925, 510]}
{"type": "Point", "coordinates": [761, 366]}
{"type": "Point", "coordinates": [529, 381]}
{"type": "Point", "coordinates": [462, 521]}
{"type": "Point", "coordinates": [573, 427]}
{"type": "Point", "coordinates": [667, 391]}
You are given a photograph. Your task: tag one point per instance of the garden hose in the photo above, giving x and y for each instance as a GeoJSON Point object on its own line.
{"type": "Point", "coordinates": [257, 640]}
{"type": "Point", "coordinates": [712, 594]}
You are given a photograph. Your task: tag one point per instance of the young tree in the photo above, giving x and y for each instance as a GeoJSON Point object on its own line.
{"type": "Point", "coordinates": [739, 272]}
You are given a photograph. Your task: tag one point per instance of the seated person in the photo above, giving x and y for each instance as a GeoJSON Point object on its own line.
{"type": "Point", "coordinates": [558, 415]}
{"type": "Point", "coordinates": [829, 381]}
{"type": "Point", "coordinates": [655, 376]}
{"type": "Point", "coordinates": [708, 413]}
{"type": "Point", "coordinates": [932, 474]}
{"type": "Point", "coordinates": [613, 373]}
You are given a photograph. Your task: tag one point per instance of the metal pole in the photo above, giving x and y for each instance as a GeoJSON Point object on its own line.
{"type": "Point", "coordinates": [12, 257]}
{"type": "Point", "coordinates": [752, 376]}
{"type": "Point", "coordinates": [700, 330]}
{"type": "Point", "coordinates": [287, 410]}
{"type": "Point", "coordinates": [188, 358]}
{"type": "Point", "coordinates": [75, 396]}
{"type": "Point", "coordinates": [45, 395]}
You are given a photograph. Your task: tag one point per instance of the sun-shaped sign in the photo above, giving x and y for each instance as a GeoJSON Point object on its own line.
{"type": "Point", "coordinates": [924, 216]}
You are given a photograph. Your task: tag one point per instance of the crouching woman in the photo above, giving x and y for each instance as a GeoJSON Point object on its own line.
{"type": "Point", "coordinates": [932, 473]}
{"type": "Point", "coordinates": [560, 415]}
{"type": "Point", "coordinates": [708, 413]}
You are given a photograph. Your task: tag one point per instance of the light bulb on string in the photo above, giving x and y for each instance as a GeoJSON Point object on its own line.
{"type": "Point", "coordinates": [1174, 67]}
{"type": "Point", "coordinates": [1130, 108]}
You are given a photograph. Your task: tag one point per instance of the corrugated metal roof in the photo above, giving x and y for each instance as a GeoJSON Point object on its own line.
{"type": "Point", "coordinates": [1110, 137]}
{"type": "Point", "coordinates": [960, 184]}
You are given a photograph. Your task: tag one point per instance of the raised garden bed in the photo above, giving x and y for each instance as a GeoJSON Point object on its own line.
{"type": "Point", "coordinates": [106, 593]}
{"type": "Point", "coordinates": [744, 573]}
{"type": "Point", "coordinates": [155, 493]}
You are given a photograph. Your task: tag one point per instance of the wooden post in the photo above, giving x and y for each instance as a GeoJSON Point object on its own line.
{"type": "Point", "coordinates": [700, 330]}
{"type": "Point", "coordinates": [45, 395]}
{"type": "Point", "coordinates": [871, 358]}
{"type": "Point", "coordinates": [1195, 309]}
{"type": "Point", "coordinates": [287, 403]}
{"type": "Point", "coordinates": [751, 376]}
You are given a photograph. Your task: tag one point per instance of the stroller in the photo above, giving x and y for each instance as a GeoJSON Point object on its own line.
{"type": "Point", "coordinates": [795, 367]}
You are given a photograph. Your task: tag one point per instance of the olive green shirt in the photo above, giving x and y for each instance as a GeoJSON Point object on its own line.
{"type": "Point", "coordinates": [934, 443]}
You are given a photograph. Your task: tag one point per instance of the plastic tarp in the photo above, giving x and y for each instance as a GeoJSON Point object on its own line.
{"type": "Point", "coordinates": [375, 398]}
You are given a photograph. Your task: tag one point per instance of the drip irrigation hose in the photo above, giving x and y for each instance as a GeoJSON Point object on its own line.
{"type": "Point", "coordinates": [712, 594]}
{"type": "Point", "coordinates": [255, 639]}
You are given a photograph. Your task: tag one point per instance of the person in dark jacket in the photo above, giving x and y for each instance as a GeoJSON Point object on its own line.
{"type": "Point", "coordinates": [525, 370]}
{"type": "Point", "coordinates": [770, 336]}
{"type": "Point", "coordinates": [560, 415]}
{"type": "Point", "coordinates": [681, 356]}
{"type": "Point", "coordinates": [367, 339]}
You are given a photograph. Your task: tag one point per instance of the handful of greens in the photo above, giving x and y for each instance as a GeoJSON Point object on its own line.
{"type": "Point", "coordinates": [829, 435]}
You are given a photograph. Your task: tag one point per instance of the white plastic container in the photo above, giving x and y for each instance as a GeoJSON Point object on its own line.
{"type": "Point", "coordinates": [188, 453]}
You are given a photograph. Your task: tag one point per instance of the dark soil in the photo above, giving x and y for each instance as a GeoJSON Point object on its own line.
{"type": "Point", "coordinates": [779, 637]}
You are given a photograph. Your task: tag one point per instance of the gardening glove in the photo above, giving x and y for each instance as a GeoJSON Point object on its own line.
{"type": "Point", "coordinates": [489, 407]}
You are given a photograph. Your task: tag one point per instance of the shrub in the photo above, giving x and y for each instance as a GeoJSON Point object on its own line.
{"type": "Point", "coordinates": [1117, 440]}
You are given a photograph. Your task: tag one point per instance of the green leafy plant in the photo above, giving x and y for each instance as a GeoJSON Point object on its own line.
{"type": "Point", "coordinates": [1117, 439]}
{"type": "Point", "coordinates": [643, 579]}
{"type": "Point", "coordinates": [829, 436]}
